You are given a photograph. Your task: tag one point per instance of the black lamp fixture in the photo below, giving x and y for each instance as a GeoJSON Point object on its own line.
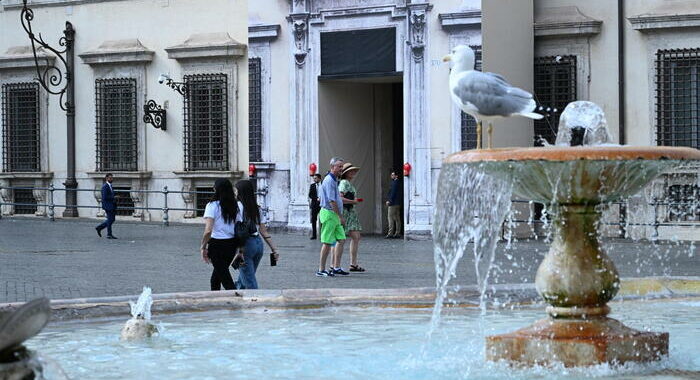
{"type": "Point", "coordinates": [154, 114]}
{"type": "Point", "coordinates": [180, 87]}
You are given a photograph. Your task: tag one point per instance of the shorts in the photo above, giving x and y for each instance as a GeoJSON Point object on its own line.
{"type": "Point", "coordinates": [331, 229]}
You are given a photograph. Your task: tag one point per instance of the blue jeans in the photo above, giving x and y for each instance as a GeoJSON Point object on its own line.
{"type": "Point", "coordinates": [253, 253]}
{"type": "Point", "coordinates": [111, 215]}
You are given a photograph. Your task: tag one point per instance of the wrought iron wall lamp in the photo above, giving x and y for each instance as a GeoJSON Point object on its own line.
{"type": "Point", "coordinates": [154, 114]}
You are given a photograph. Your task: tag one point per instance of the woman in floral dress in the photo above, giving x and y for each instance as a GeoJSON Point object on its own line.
{"type": "Point", "coordinates": [353, 227]}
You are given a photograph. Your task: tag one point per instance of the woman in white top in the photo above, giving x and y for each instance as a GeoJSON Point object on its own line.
{"type": "Point", "coordinates": [218, 242]}
{"type": "Point", "coordinates": [253, 246]}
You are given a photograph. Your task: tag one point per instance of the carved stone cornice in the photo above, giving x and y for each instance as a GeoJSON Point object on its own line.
{"type": "Point", "coordinates": [21, 57]}
{"type": "Point", "coordinates": [207, 45]}
{"type": "Point", "coordinates": [565, 22]}
{"type": "Point", "coordinates": [650, 23]}
{"type": "Point", "coordinates": [300, 28]}
{"type": "Point", "coordinates": [263, 32]}
{"type": "Point", "coordinates": [460, 20]}
{"type": "Point", "coordinates": [118, 51]}
{"type": "Point", "coordinates": [417, 20]}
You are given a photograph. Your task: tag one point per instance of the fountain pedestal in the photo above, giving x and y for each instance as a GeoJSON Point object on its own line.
{"type": "Point", "coordinates": [576, 277]}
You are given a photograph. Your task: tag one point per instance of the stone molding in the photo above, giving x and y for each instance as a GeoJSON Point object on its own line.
{"type": "Point", "coordinates": [207, 45]}
{"type": "Point", "coordinates": [263, 32]}
{"type": "Point", "coordinates": [209, 174]}
{"type": "Point", "coordinates": [565, 22]}
{"type": "Point", "coordinates": [31, 179]}
{"type": "Point", "coordinates": [26, 175]}
{"type": "Point", "coordinates": [118, 51]}
{"type": "Point", "coordinates": [17, 4]}
{"type": "Point", "coordinates": [300, 28]}
{"type": "Point", "coordinates": [650, 23]}
{"type": "Point", "coordinates": [121, 174]}
{"type": "Point", "coordinates": [21, 57]}
{"type": "Point", "coordinates": [460, 20]}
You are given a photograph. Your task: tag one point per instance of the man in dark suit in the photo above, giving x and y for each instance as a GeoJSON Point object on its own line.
{"type": "Point", "coordinates": [314, 203]}
{"type": "Point", "coordinates": [110, 207]}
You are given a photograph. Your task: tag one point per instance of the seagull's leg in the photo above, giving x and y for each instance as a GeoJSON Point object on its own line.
{"type": "Point", "coordinates": [489, 131]}
{"type": "Point", "coordinates": [478, 134]}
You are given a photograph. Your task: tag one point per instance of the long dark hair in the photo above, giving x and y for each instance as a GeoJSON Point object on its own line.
{"type": "Point", "coordinates": [223, 192]}
{"type": "Point", "coordinates": [246, 194]}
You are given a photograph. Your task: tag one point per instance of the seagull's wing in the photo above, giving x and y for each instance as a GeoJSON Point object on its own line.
{"type": "Point", "coordinates": [491, 95]}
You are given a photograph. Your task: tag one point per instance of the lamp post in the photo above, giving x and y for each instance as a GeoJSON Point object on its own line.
{"type": "Point", "coordinates": [58, 82]}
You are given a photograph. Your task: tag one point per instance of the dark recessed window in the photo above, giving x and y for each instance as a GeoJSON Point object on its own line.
{"type": "Point", "coordinates": [468, 123]}
{"type": "Point", "coordinates": [254, 110]}
{"type": "Point", "coordinates": [206, 122]}
{"type": "Point", "coordinates": [20, 127]}
{"type": "Point", "coordinates": [684, 203]}
{"type": "Point", "coordinates": [25, 201]}
{"type": "Point", "coordinates": [358, 52]}
{"type": "Point", "coordinates": [555, 87]}
{"type": "Point", "coordinates": [115, 121]}
{"type": "Point", "coordinates": [123, 200]}
{"type": "Point", "coordinates": [202, 197]}
{"type": "Point", "coordinates": [678, 97]}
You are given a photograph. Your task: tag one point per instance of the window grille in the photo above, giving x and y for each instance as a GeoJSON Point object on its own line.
{"type": "Point", "coordinates": [254, 110]}
{"type": "Point", "coordinates": [26, 200]}
{"type": "Point", "coordinates": [115, 121]}
{"type": "Point", "coordinates": [123, 201]}
{"type": "Point", "coordinates": [206, 122]}
{"type": "Point", "coordinates": [555, 87]}
{"type": "Point", "coordinates": [684, 203]}
{"type": "Point", "coordinates": [468, 123]}
{"type": "Point", "coordinates": [202, 197]}
{"type": "Point", "coordinates": [20, 127]}
{"type": "Point", "coordinates": [678, 97]}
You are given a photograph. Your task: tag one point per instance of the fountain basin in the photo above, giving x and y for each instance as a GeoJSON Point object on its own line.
{"type": "Point", "coordinates": [576, 277]}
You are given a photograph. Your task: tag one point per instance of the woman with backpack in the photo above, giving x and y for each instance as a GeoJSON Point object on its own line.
{"type": "Point", "coordinates": [254, 225]}
{"type": "Point", "coordinates": [219, 241]}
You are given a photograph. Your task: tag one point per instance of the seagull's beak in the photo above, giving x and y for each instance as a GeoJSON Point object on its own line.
{"type": "Point", "coordinates": [447, 58]}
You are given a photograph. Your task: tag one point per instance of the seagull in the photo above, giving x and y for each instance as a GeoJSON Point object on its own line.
{"type": "Point", "coordinates": [485, 96]}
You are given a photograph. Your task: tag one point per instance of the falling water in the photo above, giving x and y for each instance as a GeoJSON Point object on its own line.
{"type": "Point", "coordinates": [471, 207]}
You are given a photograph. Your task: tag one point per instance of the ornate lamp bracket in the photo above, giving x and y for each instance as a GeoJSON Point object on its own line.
{"type": "Point", "coordinates": [154, 114]}
{"type": "Point", "coordinates": [180, 87]}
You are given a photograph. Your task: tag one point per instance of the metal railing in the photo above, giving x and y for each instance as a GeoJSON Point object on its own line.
{"type": "Point", "coordinates": [165, 192]}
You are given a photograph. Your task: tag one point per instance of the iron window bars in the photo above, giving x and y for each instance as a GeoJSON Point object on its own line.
{"type": "Point", "coordinates": [254, 110]}
{"type": "Point", "coordinates": [116, 121]}
{"type": "Point", "coordinates": [26, 203]}
{"type": "Point", "coordinates": [678, 97]}
{"type": "Point", "coordinates": [468, 123]}
{"type": "Point", "coordinates": [684, 203]}
{"type": "Point", "coordinates": [555, 87]}
{"type": "Point", "coordinates": [20, 127]}
{"type": "Point", "coordinates": [123, 201]}
{"type": "Point", "coordinates": [206, 122]}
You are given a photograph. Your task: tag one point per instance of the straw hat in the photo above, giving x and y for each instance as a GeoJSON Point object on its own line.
{"type": "Point", "coordinates": [347, 167]}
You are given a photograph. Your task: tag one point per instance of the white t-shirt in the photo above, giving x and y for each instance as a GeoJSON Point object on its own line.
{"type": "Point", "coordinates": [222, 230]}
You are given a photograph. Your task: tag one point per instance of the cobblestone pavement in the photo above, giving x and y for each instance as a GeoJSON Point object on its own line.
{"type": "Point", "coordinates": [66, 259]}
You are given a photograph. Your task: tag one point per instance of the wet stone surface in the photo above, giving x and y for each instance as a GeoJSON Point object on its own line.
{"type": "Point", "coordinates": [66, 259]}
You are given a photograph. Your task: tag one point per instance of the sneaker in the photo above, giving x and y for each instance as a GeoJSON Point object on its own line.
{"type": "Point", "coordinates": [323, 273]}
{"type": "Point", "coordinates": [340, 271]}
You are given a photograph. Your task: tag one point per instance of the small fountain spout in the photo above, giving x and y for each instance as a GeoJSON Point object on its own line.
{"type": "Point", "coordinates": [140, 325]}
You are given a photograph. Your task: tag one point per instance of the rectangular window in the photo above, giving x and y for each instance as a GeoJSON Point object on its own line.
{"type": "Point", "coordinates": [20, 127]}
{"type": "Point", "coordinates": [206, 122]}
{"type": "Point", "coordinates": [684, 203]}
{"type": "Point", "coordinates": [555, 87]}
{"type": "Point", "coordinates": [468, 123]}
{"type": "Point", "coordinates": [254, 110]}
{"type": "Point", "coordinates": [202, 197]}
{"type": "Point", "coordinates": [358, 53]}
{"type": "Point", "coordinates": [26, 203]}
{"type": "Point", "coordinates": [123, 201]}
{"type": "Point", "coordinates": [115, 121]}
{"type": "Point", "coordinates": [678, 97]}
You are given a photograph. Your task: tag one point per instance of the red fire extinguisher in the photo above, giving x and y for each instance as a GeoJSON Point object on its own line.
{"type": "Point", "coordinates": [251, 170]}
{"type": "Point", "coordinates": [406, 169]}
{"type": "Point", "coordinates": [312, 169]}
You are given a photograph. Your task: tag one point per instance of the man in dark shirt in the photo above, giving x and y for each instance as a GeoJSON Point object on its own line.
{"type": "Point", "coordinates": [394, 203]}
{"type": "Point", "coordinates": [314, 203]}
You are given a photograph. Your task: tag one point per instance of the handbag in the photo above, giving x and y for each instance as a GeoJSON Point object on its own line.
{"type": "Point", "coordinates": [351, 196]}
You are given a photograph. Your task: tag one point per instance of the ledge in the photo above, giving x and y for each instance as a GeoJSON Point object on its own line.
{"type": "Point", "coordinates": [264, 166]}
{"type": "Point", "coordinates": [263, 32]}
{"type": "Point", "coordinates": [17, 4]}
{"type": "Point", "coordinates": [206, 174]}
{"type": "Point", "coordinates": [118, 51]}
{"type": "Point", "coordinates": [565, 22]}
{"type": "Point", "coordinates": [207, 45]}
{"type": "Point", "coordinates": [649, 23]}
{"type": "Point", "coordinates": [26, 175]}
{"type": "Point", "coordinates": [460, 20]}
{"type": "Point", "coordinates": [21, 57]}
{"type": "Point", "coordinates": [120, 174]}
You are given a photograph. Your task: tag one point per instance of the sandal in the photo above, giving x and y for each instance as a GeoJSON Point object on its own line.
{"type": "Point", "coordinates": [356, 268]}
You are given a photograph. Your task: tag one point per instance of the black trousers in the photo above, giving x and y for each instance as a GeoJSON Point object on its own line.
{"type": "Point", "coordinates": [221, 252]}
{"type": "Point", "coordinates": [314, 217]}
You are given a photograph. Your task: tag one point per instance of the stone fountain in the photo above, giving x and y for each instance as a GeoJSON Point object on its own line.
{"type": "Point", "coordinates": [576, 278]}
{"type": "Point", "coordinates": [16, 362]}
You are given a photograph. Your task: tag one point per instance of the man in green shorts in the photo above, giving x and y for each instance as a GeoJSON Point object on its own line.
{"type": "Point", "coordinates": [331, 219]}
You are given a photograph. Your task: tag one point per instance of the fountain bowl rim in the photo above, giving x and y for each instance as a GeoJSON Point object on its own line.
{"type": "Point", "coordinates": [561, 154]}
